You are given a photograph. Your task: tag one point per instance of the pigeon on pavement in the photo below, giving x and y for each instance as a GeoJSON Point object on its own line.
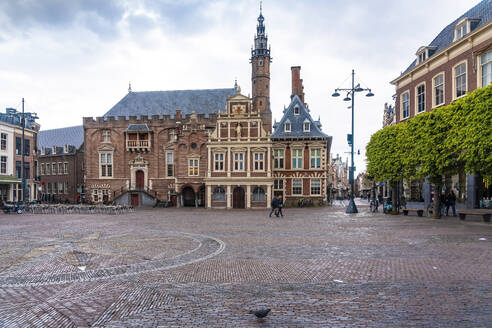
{"type": "Point", "coordinates": [260, 313]}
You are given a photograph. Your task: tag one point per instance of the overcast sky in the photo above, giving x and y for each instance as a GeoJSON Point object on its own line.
{"type": "Point", "coordinates": [74, 58]}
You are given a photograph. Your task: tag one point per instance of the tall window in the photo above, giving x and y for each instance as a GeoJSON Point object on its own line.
{"type": "Point", "coordinates": [18, 145]}
{"type": "Point", "coordinates": [170, 164]}
{"type": "Point", "coordinates": [3, 165]}
{"type": "Point", "coordinates": [296, 110]}
{"type": "Point", "coordinates": [61, 188]}
{"type": "Point", "coordinates": [219, 162]}
{"type": "Point", "coordinates": [405, 103]}
{"type": "Point", "coordinates": [278, 158]}
{"type": "Point", "coordinates": [106, 135]}
{"type": "Point", "coordinates": [49, 188]}
{"type": "Point", "coordinates": [439, 90]}
{"type": "Point", "coordinates": [315, 158]}
{"type": "Point", "coordinates": [258, 161]}
{"type": "Point", "coordinates": [27, 170]}
{"type": "Point", "coordinates": [193, 167]}
{"type": "Point", "coordinates": [296, 186]}
{"type": "Point", "coordinates": [238, 161]}
{"type": "Point", "coordinates": [421, 98]}
{"type": "Point", "coordinates": [17, 169]}
{"type": "Point", "coordinates": [55, 187]}
{"type": "Point", "coordinates": [27, 147]}
{"type": "Point", "coordinates": [461, 30]}
{"type": "Point", "coordinates": [219, 194]}
{"type": "Point", "coordinates": [460, 80]}
{"type": "Point", "coordinates": [258, 195]}
{"type": "Point", "coordinates": [3, 144]}
{"type": "Point", "coordinates": [60, 168]}
{"type": "Point", "coordinates": [65, 168]}
{"type": "Point", "coordinates": [43, 172]}
{"type": "Point", "coordinates": [315, 187]}
{"type": "Point", "coordinates": [297, 158]}
{"type": "Point", "coordinates": [106, 164]}
{"type": "Point", "coordinates": [53, 168]}
{"type": "Point", "coordinates": [486, 63]}
{"type": "Point", "coordinates": [48, 169]}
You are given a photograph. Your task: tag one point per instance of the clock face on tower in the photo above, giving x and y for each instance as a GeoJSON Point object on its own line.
{"type": "Point", "coordinates": [238, 109]}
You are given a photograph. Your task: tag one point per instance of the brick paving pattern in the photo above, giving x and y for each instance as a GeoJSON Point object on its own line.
{"type": "Point", "coordinates": [201, 268]}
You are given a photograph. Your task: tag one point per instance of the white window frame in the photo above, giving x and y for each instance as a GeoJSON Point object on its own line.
{"type": "Point", "coordinates": [308, 125]}
{"type": "Point", "coordinates": [455, 90]}
{"type": "Point", "coordinates": [4, 141]}
{"type": "Point", "coordinates": [316, 157]}
{"type": "Point", "coordinates": [48, 169]}
{"type": "Point", "coordinates": [238, 161]}
{"type": "Point", "coordinates": [60, 168]}
{"type": "Point", "coordinates": [106, 165]}
{"type": "Point", "coordinates": [106, 136]}
{"type": "Point", "coordinates": [417, 111]}
{"type": "Point", "coordinates": [2, 162]}
{"type": "Point", "coordinates": [259, 161]}
{"type": "Point", "coordinates": [288, 127]}
{"type": "Point", "coordinates": [169, 164]}
{"type": "Point", "coordinates": [296, 158]}
{"type": "Point", "coordinates": [461, 29]}
{"type": "Point", "coordinates": [480, 74]}
{"type": "Point", "coordinates": [222, 194]}
{"type": "Point", "coordinates": [434, 105]}
{"type": "Point", "coordinates": [42, 169]}
{"type": "Point", "coordinates": [258, 197]}
{"type": "Point", "coordinates": [54, 168]}
{"type": "Point", "coordinates": [65, 168]}
{"type": "Point", "coordinates": [296, 187]}
{"type": "Point", "coordinates": [219, 162]}
{"type": "Point", "coordinates": [193, 167]}
{"type": "Point", "coordinates": [278, 157]}
{"type": "Point", "coordinates": [402, 109]}
{"type": "Point", "coordinates": [311, 187]}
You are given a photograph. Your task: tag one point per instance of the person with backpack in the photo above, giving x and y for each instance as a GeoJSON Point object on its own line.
{"type": "Point", "coordinates": [280, 205]}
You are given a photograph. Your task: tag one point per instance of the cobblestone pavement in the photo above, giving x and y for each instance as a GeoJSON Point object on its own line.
{"type": "Point", "coordinates": [316, 267]}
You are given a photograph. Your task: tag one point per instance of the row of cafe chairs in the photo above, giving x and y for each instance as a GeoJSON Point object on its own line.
{"type": "Point", "coordinates": [79, 209]}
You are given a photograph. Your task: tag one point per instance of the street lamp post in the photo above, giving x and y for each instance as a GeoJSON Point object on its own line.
{"type": "Point", "coordinates": [350, 138]}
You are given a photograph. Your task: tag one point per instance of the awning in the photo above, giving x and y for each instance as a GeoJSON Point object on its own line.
{"type": "Point", "coordinates": [9, 180]}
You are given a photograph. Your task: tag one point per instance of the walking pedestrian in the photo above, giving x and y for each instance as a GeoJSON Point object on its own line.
{"type": "Point", "coordinates": [280, 206]}
{"type": "Point", "coordinates": [403, 202]}
{"type": "Point", "coordinates": [274, 205]}
{"type": "Point", "coordinates": [451, 202]}
{"type": "Point", "coordinates": [443, 202]}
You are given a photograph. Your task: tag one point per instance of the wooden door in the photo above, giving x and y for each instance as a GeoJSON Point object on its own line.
{"type": "Point", "coordinates": [238, 200]}
{"type": "Point", "coordinates": [139, 178]}
{"type": "Point", "coordinates": [134, 199]}
{"type": "Point", "coordinates": [188, 197]}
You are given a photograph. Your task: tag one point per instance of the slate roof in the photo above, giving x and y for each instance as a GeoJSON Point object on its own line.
{"type": "Point", "coordinates": [208, 101]}
{"type": "Point", "coordinates": [297, 121]}
{"type": "Point", "coordinates": [137, 127]}
{"type": "Point", "coordinates": [73, 136]}
{"type": "Point", "coordinates": [482, 11]}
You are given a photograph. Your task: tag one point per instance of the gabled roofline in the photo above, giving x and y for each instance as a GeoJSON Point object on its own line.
{"type": "Point", "coordinates": [442, 52]}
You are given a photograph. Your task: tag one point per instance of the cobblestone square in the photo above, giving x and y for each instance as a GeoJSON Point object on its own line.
{"type": "Point", "coordinates": [316, 267]}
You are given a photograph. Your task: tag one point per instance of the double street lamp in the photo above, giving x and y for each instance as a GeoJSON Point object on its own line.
{"type": "Point", "coordinates": [350, 137]}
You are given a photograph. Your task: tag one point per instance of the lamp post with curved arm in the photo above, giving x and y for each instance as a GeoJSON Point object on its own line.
{"type": "Point", "coordinates": [350, 137]}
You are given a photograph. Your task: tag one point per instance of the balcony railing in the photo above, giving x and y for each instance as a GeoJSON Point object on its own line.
{"type": "Point", "coordinates": [138, 145]}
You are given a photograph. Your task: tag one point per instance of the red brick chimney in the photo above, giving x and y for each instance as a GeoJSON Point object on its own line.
{"type": "Point", "coordinates": [297, 87]}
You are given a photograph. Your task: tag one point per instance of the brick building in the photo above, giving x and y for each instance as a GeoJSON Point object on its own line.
{"type": "Point", "coordinates": [300, 151]}
{"type": "Point", "coordinates": [11, 156]}
{"type": "Point", "coordinates": [457, 61]}
{"type": "Point", "coordinates": [159, 144]}
{"type": "Point", "coordinates": [61, 164]}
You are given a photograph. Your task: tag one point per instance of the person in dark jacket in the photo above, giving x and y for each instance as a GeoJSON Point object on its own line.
{"type": "Point", "coordinates": [274, 205]}
{"type": "Point", "coordinates": [280, 206]}
{"type": "Point", "coordinates": [451, 202]}
{"type": "Point", "coordinates": [443, 202]}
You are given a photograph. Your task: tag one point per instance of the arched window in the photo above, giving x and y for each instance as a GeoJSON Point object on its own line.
{"type": "Point", "coordinates": [219, 194]}
{"type": "Point", "coordinates": [259, 194]}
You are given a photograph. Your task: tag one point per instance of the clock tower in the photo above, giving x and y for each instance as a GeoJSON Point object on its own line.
{"type": "Point", "coordinates": [260, 73]}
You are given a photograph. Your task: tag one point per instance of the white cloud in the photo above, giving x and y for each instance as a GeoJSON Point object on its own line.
{"type": "Point", "coordinates": [74, 59]}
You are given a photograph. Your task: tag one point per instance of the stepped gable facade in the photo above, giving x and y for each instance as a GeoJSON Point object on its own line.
{"type": "Point", "coordinates": [239, 171]}
{"type": "Point", "coordinates": [61, 164]}
{"type": "Point", "coordinates": [301, 151]}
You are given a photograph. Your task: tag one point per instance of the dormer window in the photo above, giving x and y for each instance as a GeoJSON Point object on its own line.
{"type": "Point", "coordinates": [424, 53]}
{"type": "Point", "coordinates": [296, 110]}
{"type": "Point", "coordinates": [461, 30]}
{"type": "Point", "coordinates": [422, 57]}
{"type": "Point", "coordinates": [307, 126]}
{"type": "Point", "coordinates": [287, 127]}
